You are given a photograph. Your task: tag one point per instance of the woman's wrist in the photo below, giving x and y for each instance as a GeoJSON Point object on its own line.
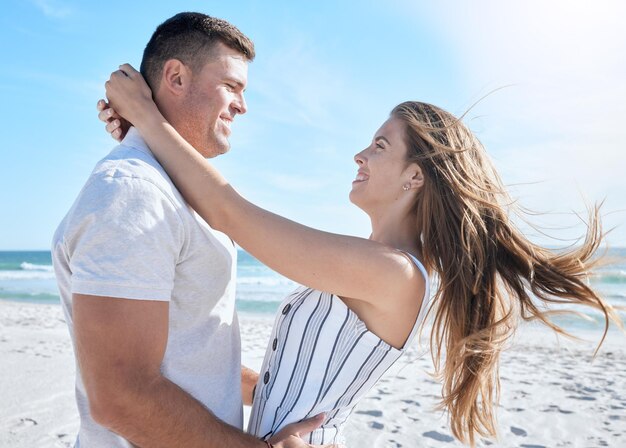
{"type": "Point", "coordinates": [149, 117]}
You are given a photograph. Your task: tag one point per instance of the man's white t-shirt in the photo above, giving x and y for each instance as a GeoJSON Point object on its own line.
{"type": "Point", "coordinates": [131, 235]}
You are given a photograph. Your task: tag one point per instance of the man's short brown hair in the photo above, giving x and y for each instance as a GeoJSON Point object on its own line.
{"type": "Point", "coordinates": [190, 37]}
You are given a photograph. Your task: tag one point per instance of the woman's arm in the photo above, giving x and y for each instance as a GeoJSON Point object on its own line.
{"type": "Point", "coordinates": [249, 379]}
{"type": "Point", "coordinates": [347, 266]}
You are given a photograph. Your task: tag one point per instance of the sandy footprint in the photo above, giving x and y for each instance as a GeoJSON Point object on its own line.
{"type": "Point", "coordinates": [64, 441]}
{"type": "Point", "coordinates": [555, 408]}
{"type": "Point", "coordinates": [582, 397]}
{"type": "Point", "coordinates": [22, 424]}
{"type": "Point", "coordinates": [438, 436]}
{"type": "Point", "coordinates": [413, 402]}
{"type": "Point", "coordinates": [372, 413]}
{"type": "Point", "coordinates": [519, 431]}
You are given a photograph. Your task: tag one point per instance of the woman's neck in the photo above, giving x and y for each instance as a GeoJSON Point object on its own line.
{"type": "Point", "coordinates": [395, 230]}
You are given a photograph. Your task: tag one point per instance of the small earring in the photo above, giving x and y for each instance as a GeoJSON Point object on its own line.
{"type": "Point", "coordinates": [406, 187]}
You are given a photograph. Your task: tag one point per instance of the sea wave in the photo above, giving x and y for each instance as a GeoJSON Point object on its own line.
{"type": "Point", "coordinates": [265, 281]}
{"type": "Point", "coordinates": [257, 306]}
{"type": "Point", "coordinates": [36, 267]}
{"type": "Point", "coordinates": [26, 275]}
{"type": "Point", "coordinates": [613, 277]}
{"type": "Point", "coordinates": [34, 297]}
{"type": "Point", "coordinates": [31, 271]}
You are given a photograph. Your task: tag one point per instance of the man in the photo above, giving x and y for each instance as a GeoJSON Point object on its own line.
{"type": "Point", "coordinates": [147, 287]}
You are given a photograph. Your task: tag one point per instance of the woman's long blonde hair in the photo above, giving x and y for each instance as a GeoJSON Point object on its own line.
{"type": "Point", "coordinates": [489, 271]}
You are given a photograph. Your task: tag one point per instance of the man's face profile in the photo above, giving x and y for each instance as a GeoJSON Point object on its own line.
{"type": "Point", "coordinates": [213, 98]}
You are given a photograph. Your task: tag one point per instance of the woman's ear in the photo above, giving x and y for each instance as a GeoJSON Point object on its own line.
{"type": "Point", "coordinates": [417, 177]}
{"type": "Point", "coordinates": [176, 77]}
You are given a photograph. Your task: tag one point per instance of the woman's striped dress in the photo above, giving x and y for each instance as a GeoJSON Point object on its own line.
{"type": "Point", "coordinates": [321, 358]}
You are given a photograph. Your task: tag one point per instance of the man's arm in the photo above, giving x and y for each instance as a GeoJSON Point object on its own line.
{"type": "Point", "coordinates": [120, 344]}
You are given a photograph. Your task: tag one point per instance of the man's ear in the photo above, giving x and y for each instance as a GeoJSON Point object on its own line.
{"type": "Point", "coordinates": [176, 77]}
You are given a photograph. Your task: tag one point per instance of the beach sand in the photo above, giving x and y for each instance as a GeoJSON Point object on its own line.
{"type": "Point", "coordinates": [552, 395]}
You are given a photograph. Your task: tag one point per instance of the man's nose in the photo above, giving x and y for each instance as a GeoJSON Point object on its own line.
{"type": "Point", "coordinates": [240, 105]}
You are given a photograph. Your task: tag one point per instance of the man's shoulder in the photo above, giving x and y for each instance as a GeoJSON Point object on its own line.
{"type": "Point", "coordinates": [126, 165]}
{"type": "Point", "coordinates": [127, 188]}
{"type": "Point", "coordinates": [125, 161]}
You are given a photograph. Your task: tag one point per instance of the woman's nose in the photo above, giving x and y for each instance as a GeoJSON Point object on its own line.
{"type": "Point", "coordinates": [359, 159]}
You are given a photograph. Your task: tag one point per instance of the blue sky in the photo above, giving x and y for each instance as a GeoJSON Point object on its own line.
{"type": "Point", "coordinates": [325, 77]}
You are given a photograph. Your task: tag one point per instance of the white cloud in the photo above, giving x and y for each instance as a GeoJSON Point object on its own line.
{"type": "Point", "coordinates": [53, 9]}
{"type": "Point", "coordinates": [562, 121]}
{"type": "Point", "coordinates": [566, 59]}
{"type": "Point", "coordinates": [292, 182]}
{"type": "Point", "coordinates": [297, 86]}
{"type": "Point", "coordinates": [85, 87]}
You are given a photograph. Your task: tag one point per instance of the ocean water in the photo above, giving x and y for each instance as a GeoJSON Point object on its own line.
{"type": "Point", "coordinates": [29, 277]}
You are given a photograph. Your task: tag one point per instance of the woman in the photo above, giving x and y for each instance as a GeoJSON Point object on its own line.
{"type": "Point", "coordinates": [432, 195]}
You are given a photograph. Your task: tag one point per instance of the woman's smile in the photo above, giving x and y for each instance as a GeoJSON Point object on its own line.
{"type": "Point", "coordinates": [360, 177]}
